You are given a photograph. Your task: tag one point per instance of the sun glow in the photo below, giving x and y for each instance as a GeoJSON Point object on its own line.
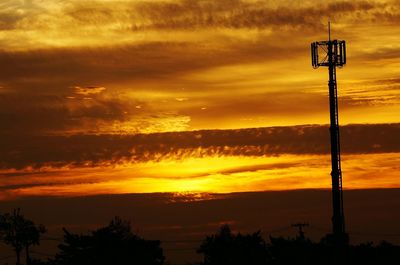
{"type": "Point", "coordinates": [219, 174]}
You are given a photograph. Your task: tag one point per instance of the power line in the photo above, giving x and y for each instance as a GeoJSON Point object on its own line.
{"type": "Point", "coordinates": [373, 234]}
{"type": "Point", "coordinates": [41, 253]}
{"type": "Point", "coordinates": [7, 257]}
{"type": "Point", "coordinates": [321, 229]}
{"type": "Point", "coordinates": [182, 241]}
{"type": "Point", "coordinates": [51, 239]}
{"type": "Point", "coordinates": [356, 233]}
{"type": "Point", "coordinates": [181, 249]}
{"type": "Point", "coordinates": [285, 228]}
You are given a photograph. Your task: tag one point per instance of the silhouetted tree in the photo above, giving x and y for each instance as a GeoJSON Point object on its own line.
{"type": "Point", "coordinates": [38, 262]}
{"type": "Point", "coordinates": [297, 250]}
{"type": "Point", "coordinates": [20, 233]}
{"type": "Point", "coordinates": [226, 248]}
{"type": "Point", "coordinates": [114, 244]}
{"type": "Point", "coordinates": [288, 251]}
{"type": "Point", "coordinates": [369, 254]}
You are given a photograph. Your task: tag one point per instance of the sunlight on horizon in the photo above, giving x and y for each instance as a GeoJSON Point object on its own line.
{"type": "Point", "coordinates": [219, 174]}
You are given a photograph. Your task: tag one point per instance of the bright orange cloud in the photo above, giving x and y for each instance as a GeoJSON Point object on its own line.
{"type": "Point", "coordinates": [221, 174]}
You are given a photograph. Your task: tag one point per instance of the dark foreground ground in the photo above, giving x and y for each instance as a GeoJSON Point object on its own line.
{"type": "Point", "coordinates": [182, 222]}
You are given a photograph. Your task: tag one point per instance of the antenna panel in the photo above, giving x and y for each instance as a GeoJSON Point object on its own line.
{"type": "Point", "coordinates": [320, 49]}
{"type": "Point", "coordinates": [314, 55]}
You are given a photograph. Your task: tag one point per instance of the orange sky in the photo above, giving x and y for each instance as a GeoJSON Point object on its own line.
{"type": "Point", "coordinates": [92, 68]}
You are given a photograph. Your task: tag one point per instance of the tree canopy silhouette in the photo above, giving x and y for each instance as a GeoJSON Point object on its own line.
{"type": "Point", "coordinates": [226, 248]}
{"type": "Point", "coordinates": [20, 233]}
{"type": "Point", "coordinates": [289, 251]}
{"type": "Point", "coordinates": [113, 244]}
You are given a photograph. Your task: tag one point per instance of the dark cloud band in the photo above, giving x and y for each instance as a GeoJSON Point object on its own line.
{"type": "Point", "coordinates": [92, 150]}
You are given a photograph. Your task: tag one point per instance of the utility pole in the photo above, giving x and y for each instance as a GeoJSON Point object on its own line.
{"type": "Point", "coordinates": [333, 54]}
{"type": "Point", "coordinates": [300, 227]}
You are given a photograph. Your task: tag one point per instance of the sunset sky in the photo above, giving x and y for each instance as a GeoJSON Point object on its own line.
{"type": "Point", "coordinates": [137, 96]}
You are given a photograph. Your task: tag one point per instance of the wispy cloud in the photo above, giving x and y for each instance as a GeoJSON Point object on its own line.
{"type": "Point", "coordinates": [74, 23]}
{"type": "Point", "coordinates": [108, 150]}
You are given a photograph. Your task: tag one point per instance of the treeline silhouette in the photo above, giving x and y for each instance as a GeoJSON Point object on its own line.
{"type": "Point", "coordinates": [116, 244]}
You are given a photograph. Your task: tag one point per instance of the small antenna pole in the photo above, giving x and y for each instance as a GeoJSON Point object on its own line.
{"type": "Point", "coordinates": [300, 226]}
{"type": "Point", "coordinates": [329, 29]}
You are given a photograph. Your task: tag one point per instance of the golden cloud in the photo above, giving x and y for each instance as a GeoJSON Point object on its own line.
{"type": "Point", "coordinates": [88, 90]}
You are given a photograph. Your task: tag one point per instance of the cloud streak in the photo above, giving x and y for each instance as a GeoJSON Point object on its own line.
{"type": "Point", "coordinates": [127, 20]}
{"type": "Point", "coordinates": [236, 14]}
{"type": "Point", "coordinates": [186, 14]}
{"type": "Point", "coordinates": [106, 150]}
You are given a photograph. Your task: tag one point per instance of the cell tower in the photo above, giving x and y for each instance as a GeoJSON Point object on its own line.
{"type": "Point", "coordinates": [332, 53]}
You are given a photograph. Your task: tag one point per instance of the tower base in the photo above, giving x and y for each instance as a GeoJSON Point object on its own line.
{"type": "Point", "coordinates": [336, 239]}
